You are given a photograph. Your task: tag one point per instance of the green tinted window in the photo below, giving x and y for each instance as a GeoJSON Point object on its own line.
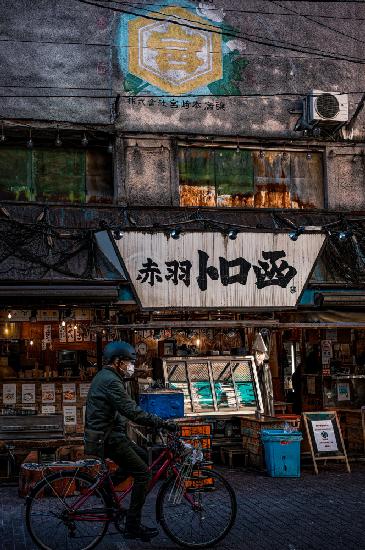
{"type": "Point", "coordinates": [59, 175]}
{"type": "Point", "coordinates": [15, 174]}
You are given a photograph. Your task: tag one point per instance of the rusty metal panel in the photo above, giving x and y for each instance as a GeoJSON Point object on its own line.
{"type": "Point", "coordinates": [197, 179]}
{"type": "Point", "coordinates": [306, 186]}
{"type": "Point", "coordinates": [99, 180]}
{"type": "Point", "coordinates": [272, 180]}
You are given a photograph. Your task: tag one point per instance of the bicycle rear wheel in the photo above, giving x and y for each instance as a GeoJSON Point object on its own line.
{"type": "Point", "coordinates": [49, 517]}
{"type": "Point", "coordinates": [203, 515]}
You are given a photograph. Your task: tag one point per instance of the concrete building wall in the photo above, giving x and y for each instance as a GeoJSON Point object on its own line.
{"type": "Point", "coordinates": [251, 80]}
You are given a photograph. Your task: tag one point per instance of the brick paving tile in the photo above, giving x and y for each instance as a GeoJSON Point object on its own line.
{"type": "Point", "coordinates": [325, 512]}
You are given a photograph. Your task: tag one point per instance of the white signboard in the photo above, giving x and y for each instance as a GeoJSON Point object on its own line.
{"type": "Point", "coordinates": [324, 435]}
{"type": "Point", "coordinates": [210, 270]}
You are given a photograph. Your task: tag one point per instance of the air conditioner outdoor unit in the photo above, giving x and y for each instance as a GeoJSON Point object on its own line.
{"type": "Point", "coordinates": [327, 108]}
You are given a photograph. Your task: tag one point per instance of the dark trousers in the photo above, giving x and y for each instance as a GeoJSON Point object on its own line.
{"type": "Point", "coordinates": [132, 460]}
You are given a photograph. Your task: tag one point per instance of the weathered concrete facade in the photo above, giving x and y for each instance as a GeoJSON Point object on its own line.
{"type": "Point", "coordinates": [261, 60]}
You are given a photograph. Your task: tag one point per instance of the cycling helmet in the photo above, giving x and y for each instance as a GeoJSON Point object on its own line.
{"type": "Point", "coordinates": [119, 349]}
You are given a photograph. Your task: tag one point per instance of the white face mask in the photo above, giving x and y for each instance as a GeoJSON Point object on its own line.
{"type": "Point", "coordinates": [130, 369]}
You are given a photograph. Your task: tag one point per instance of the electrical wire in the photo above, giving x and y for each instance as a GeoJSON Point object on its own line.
{"type": "Point", "coordinates": [246, 36]}
{"type": "Point", "coordinates": [235, 10]}
{"type": "Point", "coordinates": [319, 23]}
{"type": "Point", "coordinates": [172, 97]}
{"type": "Point", "coordinates": [128, 47]}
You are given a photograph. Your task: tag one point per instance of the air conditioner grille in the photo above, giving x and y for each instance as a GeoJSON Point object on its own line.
{"type": "Point", "coordinates": [327, 105]}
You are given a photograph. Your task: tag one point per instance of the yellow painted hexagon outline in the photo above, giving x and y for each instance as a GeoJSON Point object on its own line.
{"type": "Point", "coordinates": [134, 67]}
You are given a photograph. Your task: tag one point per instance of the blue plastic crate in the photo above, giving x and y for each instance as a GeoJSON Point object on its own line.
{"type": "Point", "coordinates": [163, 404]}
{"type": "Point", "coordinates": [282, 452]}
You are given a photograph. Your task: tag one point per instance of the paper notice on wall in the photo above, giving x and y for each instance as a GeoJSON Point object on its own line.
{"type": "Point", "coordinates": [324, 435]}
{"type": "Point", "coordinates": [48, 409]}
{"type": "Point", "coordinates": [343, 391]}
{"type": "Point", "coordinates": [69, 415]}
{"type": "Point", "coordinates": [327, 352]}
{"type": "Point", "coordinates": [70, 332]}
{"type": "Point", "coordinates": [9, 394]}
{"type": "Point", "coordinates": [62, 333]}
{"type": "Point", "coordinates": [47, 333]}
{"type": "Point", "coordinates": [48, 393]}
{"type": "Point", "coordinates": [28, 393]}
{"type": "Point", "coordinates": [69, 393]}
{"type": "Point", "coordinates": [311, 385]}
{"type": "Point", "coordinates": [84, 389]}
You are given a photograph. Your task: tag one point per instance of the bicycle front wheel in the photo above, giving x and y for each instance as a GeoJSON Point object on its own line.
{"type": "Point", "coordinates": [54, 519]}
{"type": "Point", "coordinates": [201, 513]}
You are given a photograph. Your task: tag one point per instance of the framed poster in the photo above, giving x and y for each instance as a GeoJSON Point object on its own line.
{"type": "Point", "coordinates": [69, 393]}
{"type": "Point", "coordinates": [343, 391]}
{"type": "Point", "coordinates": [28, 393]}
{"type": "Point", "coordinates": [48, 393]}
{"type": "Point", "coordinates": [9, 394]}
{"type": "Point", "coordinates": [325, 437]}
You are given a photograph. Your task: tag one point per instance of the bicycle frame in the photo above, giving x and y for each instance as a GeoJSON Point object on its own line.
{"type": "Point", "coordinates": [165, 459]}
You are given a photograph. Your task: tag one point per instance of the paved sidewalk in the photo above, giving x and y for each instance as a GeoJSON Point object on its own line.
{"type": "Point", "coordinates": [325, 512]}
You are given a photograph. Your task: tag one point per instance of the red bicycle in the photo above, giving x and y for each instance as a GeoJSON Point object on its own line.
{"type": "Point", "coordinates": [195, 505]}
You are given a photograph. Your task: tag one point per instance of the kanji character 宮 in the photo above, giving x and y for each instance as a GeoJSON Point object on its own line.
{"type": "Point", "coordinates": [269, 274]}
{"type": "Point", "coordinates": [240, 277]}
{"type": "Point", "coordinates": [150, 273]}
{"type": "Point", "coordinates": [204, 271]}
{"type": "Point", "coordinates": [173, 269]}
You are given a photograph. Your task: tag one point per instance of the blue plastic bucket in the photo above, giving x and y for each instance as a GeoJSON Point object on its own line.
{"type": "Point", "coordinates": [282, 452]}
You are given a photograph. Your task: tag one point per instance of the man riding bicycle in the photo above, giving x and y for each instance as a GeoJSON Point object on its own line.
{"type": "Point", "coordinates": [108, 409]}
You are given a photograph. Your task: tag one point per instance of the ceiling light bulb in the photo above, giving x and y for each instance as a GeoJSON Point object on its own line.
{"type": "Point", "coordinates": [261, 154]}
{"type": "Point", "coordinates": [58, 141]}
{"type": "Point", "coordinates": [9, 315]}
{"type": "Point", "coordinates": [84, 141]}
{"type": "Point", "coordinates": [232, 234]}
{"type": "Point", "coordinates": [175, 233]}
{"type": "Point", "coordinates": [31, 342]}
{"type": "Point", "coordinates": [63, 323]}
{"type": "Point", "coordinates": [309, 155]}
{"type": "Point", "coordinates": [75, 326]}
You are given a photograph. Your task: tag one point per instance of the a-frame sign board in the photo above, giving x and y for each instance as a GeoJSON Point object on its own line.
{"type": "Point", "coordinates": [325, 437]}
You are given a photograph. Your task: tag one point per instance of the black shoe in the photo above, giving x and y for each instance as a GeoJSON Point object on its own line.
{"type": "Point", "coordinates": [140, 532]}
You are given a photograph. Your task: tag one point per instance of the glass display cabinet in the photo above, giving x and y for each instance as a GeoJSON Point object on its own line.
{"type": "Point", "coordinates": [215, 385]}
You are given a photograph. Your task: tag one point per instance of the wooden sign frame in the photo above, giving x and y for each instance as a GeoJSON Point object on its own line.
{"type": "Point", "coordinates": [317, 455]}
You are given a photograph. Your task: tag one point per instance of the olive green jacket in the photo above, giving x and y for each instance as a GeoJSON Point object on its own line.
{"type": "Point", "coordinates": [109, 407]}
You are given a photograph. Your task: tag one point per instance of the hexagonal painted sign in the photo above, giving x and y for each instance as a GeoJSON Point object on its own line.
{"type": "Point", "coordinates": [173, 57]}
